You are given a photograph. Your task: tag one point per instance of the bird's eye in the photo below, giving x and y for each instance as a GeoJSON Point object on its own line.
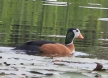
{"type": "Point", "coordinates": [76, 30]}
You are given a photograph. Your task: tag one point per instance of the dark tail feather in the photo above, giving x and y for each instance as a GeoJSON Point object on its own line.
{"type": "Point", "coordinates": [32, 47]}
{"type": "Point", "coordinates": [28, 49]}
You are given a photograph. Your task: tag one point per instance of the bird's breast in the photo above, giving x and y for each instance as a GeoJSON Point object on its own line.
{"type": "Point", "coordinates": [56, 49]}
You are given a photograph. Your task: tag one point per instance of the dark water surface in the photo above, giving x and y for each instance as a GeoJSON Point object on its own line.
{"type": "Point", "coordinates": [24, 20]}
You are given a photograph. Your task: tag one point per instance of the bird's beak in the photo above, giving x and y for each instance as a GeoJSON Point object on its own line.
{"type": "Point", "coordinates": [80, 36]}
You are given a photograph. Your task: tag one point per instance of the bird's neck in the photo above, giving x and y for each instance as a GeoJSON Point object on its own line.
{"type": "Point", "coordinates": [69, 38]}
{"type": "Point", "coordinates": [69, 41]}
{"type": "Point", "coordinates": [71, 47]}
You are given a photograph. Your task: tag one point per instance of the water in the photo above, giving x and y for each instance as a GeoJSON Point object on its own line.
{"type": "Point", "coordinates": [24, 20]}
{"type": "Point", "coordinates": [27, 66]}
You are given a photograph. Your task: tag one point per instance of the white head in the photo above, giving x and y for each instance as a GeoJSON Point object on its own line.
{"type": "Point", "coordinates": [77, 34]}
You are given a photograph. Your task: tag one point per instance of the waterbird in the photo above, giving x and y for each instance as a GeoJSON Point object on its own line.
{"type": "Point", "coordinates": [42, 47]}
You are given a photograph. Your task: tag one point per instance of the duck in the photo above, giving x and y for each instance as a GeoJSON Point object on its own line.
{"type": "Point", "coordinates": [42, 47]}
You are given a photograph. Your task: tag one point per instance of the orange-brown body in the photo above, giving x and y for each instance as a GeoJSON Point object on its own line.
{"type": "Point", "coordinates": [57, 48]}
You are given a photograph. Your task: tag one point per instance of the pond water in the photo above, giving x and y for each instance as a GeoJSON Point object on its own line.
{"type": "Point", "coordinates": [25, 20]}
{"type": "Point", "coordinates": [18, 65]}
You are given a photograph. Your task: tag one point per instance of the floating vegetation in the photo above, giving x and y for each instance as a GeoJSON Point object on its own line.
{"type": "Point", "coordinates": [103, 19]}
{"type": "Point", "coordinates": [56, 3]}
{"type": "Point", "coordinates": [93, 7]}
{"type": "Point", "coordinates": [94, 4]}
{"type": "Point", "coordinates": [14, 65]}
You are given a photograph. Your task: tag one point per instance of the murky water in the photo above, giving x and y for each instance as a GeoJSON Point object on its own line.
{"type": "Point", "coordinates": [23, 20]}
